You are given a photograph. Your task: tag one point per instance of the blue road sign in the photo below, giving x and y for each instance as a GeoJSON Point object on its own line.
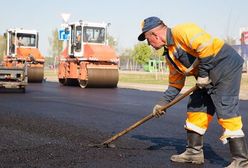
{"type": "Point", "coordinates": [62, 34]}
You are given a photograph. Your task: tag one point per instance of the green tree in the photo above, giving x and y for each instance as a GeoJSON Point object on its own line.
{"type": "Point", "coordinates": [112, 41]}
{"type": "Point", "coordinates": [142, 53]}
{"type": "Point", "coordinates": [2, 46]}
{"type": "Point", "coordinates": [158, 53]}
{"type": "Point", "coordinates": [49, 61]}
{"type": "Point", "coordinates": [126, 59]}
{"type": "Point", "coordinates": [56, 45]}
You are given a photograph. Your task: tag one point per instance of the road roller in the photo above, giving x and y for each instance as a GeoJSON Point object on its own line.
{"type": "Point", "coordinates": [87, 60]}
{"type": "Point", "coordinates": [22, 51]}
{"type": "Point", "coordinates": [13, 77]}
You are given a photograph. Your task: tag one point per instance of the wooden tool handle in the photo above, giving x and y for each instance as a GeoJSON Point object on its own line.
{"type": "Point", "coordinates": [148, 117]}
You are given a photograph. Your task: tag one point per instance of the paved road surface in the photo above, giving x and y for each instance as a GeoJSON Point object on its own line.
{"type": "Point", "coordinates": [52, 125]}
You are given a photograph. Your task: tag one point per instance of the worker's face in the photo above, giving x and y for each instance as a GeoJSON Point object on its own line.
{"type": "Point", "coordinates": [154, 40]}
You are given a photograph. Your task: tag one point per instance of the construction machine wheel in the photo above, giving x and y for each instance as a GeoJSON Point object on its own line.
{"type": "Point", "coordinates": [100, 77]}
{"type": "Point", "coordinates": [83, 83]}
{"type": "Point", "coordinates": [62, 81]}
{"type": "Point", "coordinates": [35, 74]}
{"type": "Point", "coordinates": [68, 82]}
{"type": "Point", "coordinates": [23, 89]}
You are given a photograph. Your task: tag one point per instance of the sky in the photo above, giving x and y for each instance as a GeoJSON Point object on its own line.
{"type": "Point", "coordinates": [221, 18]}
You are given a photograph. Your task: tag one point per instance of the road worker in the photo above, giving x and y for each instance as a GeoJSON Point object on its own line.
{"type": "Point", "coordinates": [12, 47]}
{"type": "Point", "coordinates": [217, 67]}
{"type": "Point", "coordinates": [78, 42]}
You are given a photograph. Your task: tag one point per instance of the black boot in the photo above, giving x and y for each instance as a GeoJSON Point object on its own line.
{"type": "Point", "coordinates": [238, 149]}
{"type": "Point", "coordinates": [194, 151]}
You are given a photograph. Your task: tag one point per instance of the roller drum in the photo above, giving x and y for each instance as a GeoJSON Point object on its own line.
{"type": "Point", "coordinates": [100, 77]}
{"type": "Point", "coordinates": [35, 74]}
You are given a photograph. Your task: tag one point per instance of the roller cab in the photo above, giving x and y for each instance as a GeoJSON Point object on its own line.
{"type": "Point", "coordinates": [87, 59]}
{"type": "Point", "coordinates": [22, 47]}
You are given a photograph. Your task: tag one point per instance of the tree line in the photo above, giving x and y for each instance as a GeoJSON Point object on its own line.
{"type": "Point", "coordinates": [2, 46]}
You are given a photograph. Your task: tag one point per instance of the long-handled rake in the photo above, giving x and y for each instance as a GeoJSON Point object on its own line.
{"type": "Point", "coordinates": [107, 143]}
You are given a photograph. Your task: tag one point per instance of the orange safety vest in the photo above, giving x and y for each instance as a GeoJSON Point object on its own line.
{"type": "Point", "coordinates": [188, 40]}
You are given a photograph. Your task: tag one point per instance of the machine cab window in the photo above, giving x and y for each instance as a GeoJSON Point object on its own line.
{"type": "Point", "coordinates": [12, 44]}
{"type": "Point", "coordinates": [20, 40]}
{"type": "Point", "coordinates": [78, 38]}
{"type": "Point", "coordinates": [26, 40]}
{"type": "Point", "coordinates": [94, 34]}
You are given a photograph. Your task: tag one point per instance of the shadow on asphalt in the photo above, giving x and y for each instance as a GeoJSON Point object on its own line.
{"type": "Point", "coordinates": [12, 90]}
{"type": "Point", "coordinates": [179, 146]}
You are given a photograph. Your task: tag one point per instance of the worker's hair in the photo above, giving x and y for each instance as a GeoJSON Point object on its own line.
{"type": "Point", "coordinates": [162, 25]}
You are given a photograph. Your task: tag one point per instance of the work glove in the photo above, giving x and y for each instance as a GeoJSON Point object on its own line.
{"type": "Point", "coordinates": [203, 82]}
{"type": "Point", "coordinates": [157, 112]}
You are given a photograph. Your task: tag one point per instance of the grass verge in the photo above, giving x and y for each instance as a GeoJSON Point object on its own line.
{"type": "Point", "coordinates": [152, 78]}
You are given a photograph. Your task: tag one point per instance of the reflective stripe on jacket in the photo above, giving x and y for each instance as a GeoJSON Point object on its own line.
{"type": "Point", "coordinates": [189, 52]}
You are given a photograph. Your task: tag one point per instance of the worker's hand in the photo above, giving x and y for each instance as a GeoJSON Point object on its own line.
{"type": "Point", "coordinates": [157, 112]}
{"type": "Point", "coordinates": [203, 82]}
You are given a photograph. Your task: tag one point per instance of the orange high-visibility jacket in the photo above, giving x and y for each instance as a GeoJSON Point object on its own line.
{"type": "Point", "coordinates": [189, 51]}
